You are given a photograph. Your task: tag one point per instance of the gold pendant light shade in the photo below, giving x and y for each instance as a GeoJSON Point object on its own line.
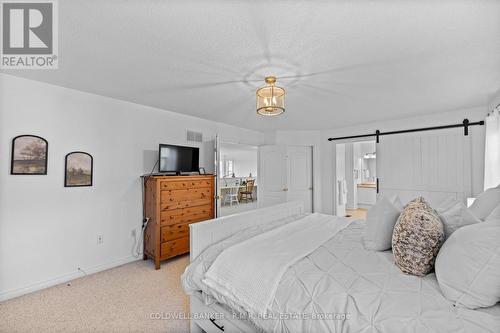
{"type": "Point", "coordinates": [270, 98]}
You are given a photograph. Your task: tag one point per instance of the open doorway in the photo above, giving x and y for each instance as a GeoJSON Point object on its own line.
{"type": "Point", "coordinates": [356, 178]}
{"type": "Point", "coordinates": [237, 178]}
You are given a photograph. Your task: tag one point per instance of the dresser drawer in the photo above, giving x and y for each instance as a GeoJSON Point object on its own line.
{"type": "Point", "coordinates": [174, 247]}
{"type": "Point", "coordinates": [185, 184]}
{"type": "Point", "coordinates": [183, 195]}
{"type": "Point", "coordinates": [186, 215]}
{"type": "Point", "coordinates": [165, 206]}
{"type": "Point", "coordinates": [174, 231]}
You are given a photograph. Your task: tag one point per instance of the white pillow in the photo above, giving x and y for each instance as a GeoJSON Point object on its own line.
{"type": "Point", "coordinates": [494, 215]}
{"type": "Point", "coordinates": [468, 266]}
{"type": "Point", "coordinates": [485, 203]}
{"type": "Point", "coordinates": [446, 204]}
{"type": "Point", "coordinates": [455, 216]}
{"type": "Point", "coordinates": [380, 221]}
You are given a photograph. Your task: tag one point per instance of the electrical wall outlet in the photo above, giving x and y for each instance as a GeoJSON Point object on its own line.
{"type": "Point", "coordinates": [100, 239]}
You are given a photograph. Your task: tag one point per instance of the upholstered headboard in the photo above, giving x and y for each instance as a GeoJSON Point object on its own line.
{"type": "Point", "coordinates": [206, 233]}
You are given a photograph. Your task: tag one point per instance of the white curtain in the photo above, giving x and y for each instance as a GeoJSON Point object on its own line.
{"type": "Point", "coordinates": [492, 150]}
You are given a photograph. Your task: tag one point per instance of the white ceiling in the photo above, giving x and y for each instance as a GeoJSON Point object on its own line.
{"type": "Point", "coordinates": [341, 62]}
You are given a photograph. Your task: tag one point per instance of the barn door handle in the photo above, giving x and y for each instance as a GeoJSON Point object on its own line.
{"type": "Point", "coordinates": [219, 327]}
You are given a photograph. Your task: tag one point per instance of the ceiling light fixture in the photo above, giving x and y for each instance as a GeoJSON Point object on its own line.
{"type": "Point", "coordinates": [270, 98]}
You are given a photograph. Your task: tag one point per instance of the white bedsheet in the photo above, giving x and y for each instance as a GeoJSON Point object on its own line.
{"type": "Point", "coordinates": [341, 277]}
{"type": "Point", "coordinates": [249, 272]}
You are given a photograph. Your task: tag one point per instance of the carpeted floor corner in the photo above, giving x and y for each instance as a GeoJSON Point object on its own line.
{"type": "Point", "coordinates": [122, 299]}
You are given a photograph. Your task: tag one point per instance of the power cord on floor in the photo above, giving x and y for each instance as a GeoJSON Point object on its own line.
{"type": "Point", "coordinates": [136, 251]}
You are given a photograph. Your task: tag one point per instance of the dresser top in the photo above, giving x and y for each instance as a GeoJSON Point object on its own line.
{"type": "Point", "coordinates": [165, 177]}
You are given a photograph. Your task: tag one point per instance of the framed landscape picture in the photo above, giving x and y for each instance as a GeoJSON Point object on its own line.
{"type": "Point", "coordinates": [29, 155]}
{"type": "Point", "coordinates": [78, 169]}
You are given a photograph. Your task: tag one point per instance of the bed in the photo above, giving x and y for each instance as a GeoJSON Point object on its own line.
{"type": "Point", "coordinates": [328, 284]}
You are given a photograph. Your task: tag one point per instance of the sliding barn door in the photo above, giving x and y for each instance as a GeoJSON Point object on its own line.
{"type": "Point", "coordinates": [435, 165]}
{"type": "Point", "coordinates": [272, 175]}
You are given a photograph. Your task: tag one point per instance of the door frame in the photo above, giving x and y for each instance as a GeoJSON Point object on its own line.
{"type": "Point", "coordinates": [219, 141]}
{"type": "Point", "coordinates": [218, 199]}
{"type": "Point", "coordinates": [334, 168]}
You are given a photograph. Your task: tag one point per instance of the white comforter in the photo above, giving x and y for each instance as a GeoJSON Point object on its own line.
{"type": "Point", "coordinates": [249, 272]}
{"type": "Point", "coordinates": [354, 289]}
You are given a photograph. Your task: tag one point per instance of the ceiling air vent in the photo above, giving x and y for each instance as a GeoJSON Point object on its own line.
{"type": "Point", "coordinates": [193, 136]}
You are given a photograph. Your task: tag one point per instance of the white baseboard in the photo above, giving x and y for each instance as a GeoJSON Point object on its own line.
{"type": "Point", "coordinates": [9, 294]}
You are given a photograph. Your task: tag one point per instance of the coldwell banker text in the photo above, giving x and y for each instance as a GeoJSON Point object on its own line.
{"type": "Point", "coordinates": [29, 34]}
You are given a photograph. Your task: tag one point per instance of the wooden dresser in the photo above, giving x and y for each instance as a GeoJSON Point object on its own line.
{"type": "Point", "coordinates": [171, 204]}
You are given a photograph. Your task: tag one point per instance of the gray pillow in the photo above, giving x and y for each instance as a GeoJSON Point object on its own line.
{"type": "Point", "coordinates": [494, 215]}
{"type": "Point", "coordinates": [485, 203]}
{"type": "Point", "coordinates": [456, 216]}
{"type": "Point", "coordinates": [417, 237]}
{"type": "Point", "coordinates": [468, 265]}
{"type": "Point", "coordinates": [380, 221]}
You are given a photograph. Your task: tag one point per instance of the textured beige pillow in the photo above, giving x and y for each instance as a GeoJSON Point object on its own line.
{"type": "Point", "coordinates": [417, 237]}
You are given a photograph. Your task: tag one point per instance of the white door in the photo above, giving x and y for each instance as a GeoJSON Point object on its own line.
{"type": "Point", "coordinates": [285, 174]}
{"type": "Point", "coordinates": [272, 175]}
{"type": "Point", "coordinates": [435, 165]}
{"type": "Point", "coordinates": [299, 175]}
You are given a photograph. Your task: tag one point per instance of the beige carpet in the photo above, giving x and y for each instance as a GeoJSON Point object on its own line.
{"type": "Point", "coordinates": [122, 299]}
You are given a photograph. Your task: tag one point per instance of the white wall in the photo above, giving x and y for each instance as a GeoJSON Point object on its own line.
{"type": "Point", "coordinates": [325, 150]}
{"type": "Point", "coordinates": [48, 231]}
{"type": "Point", "coordinates": [494, 101]}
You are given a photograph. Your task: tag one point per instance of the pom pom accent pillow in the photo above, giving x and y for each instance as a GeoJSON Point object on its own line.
{"type": "Point", "coordinates": [468, 266]}
{"type": "Point", "coordinates": [456, 216]}
{"type": "Point", "coordinates": [380, 221]}
{"type": "Point", "coordinates": [485, 203]}
{"type": "Point", "coordinates": [417, 237]}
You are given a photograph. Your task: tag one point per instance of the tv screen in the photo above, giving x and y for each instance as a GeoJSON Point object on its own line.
{"type": "Point", "coordinates": [178, 158]}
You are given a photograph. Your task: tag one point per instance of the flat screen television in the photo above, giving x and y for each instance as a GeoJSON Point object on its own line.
{"type": "Point", "coordinates": [178, 158]}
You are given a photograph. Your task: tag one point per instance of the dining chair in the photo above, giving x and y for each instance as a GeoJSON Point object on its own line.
{"type": "Point", "coordinates": [248, 192]}
{"type": "Point", "coordinates": [233, 193]}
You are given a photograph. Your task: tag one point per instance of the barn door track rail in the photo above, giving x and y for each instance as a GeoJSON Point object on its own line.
{"type": "Point", "coordinates": [465, 125]}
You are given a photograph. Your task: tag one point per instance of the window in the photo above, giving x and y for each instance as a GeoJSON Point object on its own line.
{"type": "Point", "coordinates": [227, 168]}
